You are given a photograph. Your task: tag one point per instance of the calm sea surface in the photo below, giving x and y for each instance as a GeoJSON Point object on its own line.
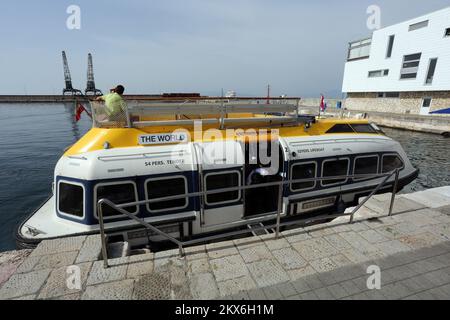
{"type": "Point", "coordinates": [33, 137]}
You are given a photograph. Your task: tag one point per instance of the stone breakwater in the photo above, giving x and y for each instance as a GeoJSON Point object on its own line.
{"type": "Point", "coordinates": [411, 248]}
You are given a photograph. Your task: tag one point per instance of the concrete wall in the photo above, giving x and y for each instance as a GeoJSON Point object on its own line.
{"type": "Point", "coordinates": [407, 103]}
{"type": "Point", "coordinates": [315, 102]}
{"type": "Point", "coordinates": [431, 123]}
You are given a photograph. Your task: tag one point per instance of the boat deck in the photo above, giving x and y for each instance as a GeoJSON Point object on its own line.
{"type": "Point", "coordinates": [328, 261]}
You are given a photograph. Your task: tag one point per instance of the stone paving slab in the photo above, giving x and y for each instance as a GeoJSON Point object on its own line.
{"type": "Point", "coordinates": [327, 261]}
{"type": "Point", "coordinates": [23, 284]}
{"type": "Point", "coordinates": [91, 249]}
{"type": "Point", "coordinates": [119, 290]}
{"type": "Point", "coordinates": [396, 283]}
{"type": "Point", "coordinates": [56, 284]}
{"type": "Point", "coordinates": [59, 245]}
{"type": "Point", "coordinates": [228, 267]}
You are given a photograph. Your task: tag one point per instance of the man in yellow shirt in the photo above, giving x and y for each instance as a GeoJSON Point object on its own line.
{"type": "Point", "coordinates": [114, 103]}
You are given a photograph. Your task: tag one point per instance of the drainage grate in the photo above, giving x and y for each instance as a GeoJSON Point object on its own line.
{"type": "Point", "coordinates": [155, 286]}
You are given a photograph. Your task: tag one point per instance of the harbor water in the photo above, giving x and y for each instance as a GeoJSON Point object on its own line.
{"type": "Point", "coordinates": [33, 137]}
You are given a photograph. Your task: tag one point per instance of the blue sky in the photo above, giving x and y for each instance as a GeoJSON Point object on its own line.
{"type": "Point", "coordinates": [299, 47]}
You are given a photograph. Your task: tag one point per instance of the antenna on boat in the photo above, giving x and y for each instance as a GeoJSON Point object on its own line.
{"type": "Point", "coordinates": [268, 94]}
{"type": "Point", "coordinates": [90, 86]}
{"type": "Point", "coordinates": [67, 78]}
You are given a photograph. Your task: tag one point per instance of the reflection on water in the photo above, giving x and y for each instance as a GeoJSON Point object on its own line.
{"type": "Point", "coordinates": [33, 137]}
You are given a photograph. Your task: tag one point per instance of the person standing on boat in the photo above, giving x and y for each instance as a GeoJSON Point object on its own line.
{"type": "Point", "coordinates": [114, 103]}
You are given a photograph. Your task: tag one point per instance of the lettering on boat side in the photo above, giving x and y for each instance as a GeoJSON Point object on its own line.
{"type": "Point", "coordinates": [164, 162]}
{"type": "Point", "coordinates": [162, 138]}
{"type": "Point", "coordinates": [310, 150]}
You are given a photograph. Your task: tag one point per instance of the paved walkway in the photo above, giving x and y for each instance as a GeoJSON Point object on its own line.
{"type": "Point", "coordinates": [411, 248]}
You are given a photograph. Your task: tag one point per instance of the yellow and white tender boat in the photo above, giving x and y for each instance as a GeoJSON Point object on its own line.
{"type": "Point", "coordinates": [208, 166]}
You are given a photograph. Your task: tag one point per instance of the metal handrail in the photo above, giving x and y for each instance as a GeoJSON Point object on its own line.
{"type": "Point", "coordinates": [280, 184]}
{"type": "Point", "coordinates": [287, 106]}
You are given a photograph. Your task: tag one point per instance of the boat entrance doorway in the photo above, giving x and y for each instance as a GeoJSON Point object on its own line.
{"type": "Point", "coordinates": [263, 164]}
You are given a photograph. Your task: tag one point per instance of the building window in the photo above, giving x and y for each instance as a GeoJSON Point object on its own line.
{"type": "Point", "coordinates": [365, 165]}
{"type": "Point", "coordinates": [165, 187]}
{"type": "Point", "coordinates": [390, 46]}
{"type": "Point", "coordinates": [390, 163]}
{"type": "Point", "coordinates": [303, 171]}
{"type": "Point", "coordinates": [447, 32]}
{"type": "Point", "coordinates": [392, 94]}
{"type": "Point", "coordinates": [334, 168]}
{"type": "Point", "coordinates": [426, 103]}
{"type": "Point", "coordinates": [214, 181]}
{"type": "Point", "coordinates": [118, 193]}
{"type": "Point", "coordinates": [418, 25]}
{"type": "Point", "coordinates": [388, 94]}
{"type": "Point", "coordinates": [410, 66]}
{"type": "Point", "coordinates": [359, 49]}
{"type": "Point", "coordinates": [431, 69]}
{"type": "Point", "coordinates": [378, 73]}
{"type": "Point", "coordinates": [71, 199]}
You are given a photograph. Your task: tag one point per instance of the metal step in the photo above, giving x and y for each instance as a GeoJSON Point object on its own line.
{"type": "Point", "coordinates": [118, 249]}
{"type": "Point", "coordinates": [257, 232]}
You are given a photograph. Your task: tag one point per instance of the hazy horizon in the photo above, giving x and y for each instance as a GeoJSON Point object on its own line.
{"type": "Point", "coordinates": [299, 48]}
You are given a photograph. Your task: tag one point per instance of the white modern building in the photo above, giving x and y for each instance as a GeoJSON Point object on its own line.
{"type": "Point", "coordinates": [403, 68]}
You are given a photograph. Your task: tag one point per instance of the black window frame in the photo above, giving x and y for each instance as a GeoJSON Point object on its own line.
{"type": "Point", "coordinates": [410, 61]}
{"type": "Point", "coordinates": [418, 25]}
{"type": "Point", "coordinates": [430, 99]}
{"type": "Point", "coordinates": [390, 46]}
{"type": "Point", "coordinates": [216, 173]}
{"type": "Point", "coordinates": [161, 179]}
{"type": "Point", "coordinates": [392, 94]}
{"type": "Point", "coordinates": [292, 176]}
{"type": "Point", "coordinates": [76, 184]}
{"type": "Point", "coordinates": [431, 71]}
{"type": "Point", "coordinates": [339, 182]}
{"type": "Point", "coordinates": [363, 157]}
{"type": "Point", "coordinates": [114, 183]}
{"type": "Point", "coordinates": [391, 155]}
{"type": "Point", "coordinates": [378, 73]}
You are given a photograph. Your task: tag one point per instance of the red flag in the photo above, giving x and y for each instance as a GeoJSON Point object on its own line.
{"type": "Point", "coordinates": [78, 111]}
{"type": "Point", "coordinates": [322, 105]}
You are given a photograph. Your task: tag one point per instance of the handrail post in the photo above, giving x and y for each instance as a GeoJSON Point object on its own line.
{"type": "Point", "coordinates": [180, 248]}
{"type": "Point", "coordinates": [394, 191]}
{"type": "Point", "coordinates": [127, 114]}
{"type": "Point", "coordinates": [102, 234]}
{"type": "Point", "coordinates": [280, 208]}
{"type": "Point", "coordinates": [368, 197]}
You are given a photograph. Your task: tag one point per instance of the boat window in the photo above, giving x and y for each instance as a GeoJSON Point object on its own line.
{"type": "Point", "coordinates": [303, 171]}
{"type": "Point", "coordinates": [334, 168]}
{"type": "Point", "coordinates": [163, 187]}
{"type": "Point", "coordinates": [365, 165]}
{"type": "Point", "coordinates": [363, 128]}
{"type": "Point", "coordinates": [340, 128]}
{"type": "Point", "coordinates": [214, 181]}
{"type": "Point", "coordinates": [71, 199]}
{"type": "Point", "coordinates": [391, 162]}
{"type": "Point", "coordinates": [118, 193]}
